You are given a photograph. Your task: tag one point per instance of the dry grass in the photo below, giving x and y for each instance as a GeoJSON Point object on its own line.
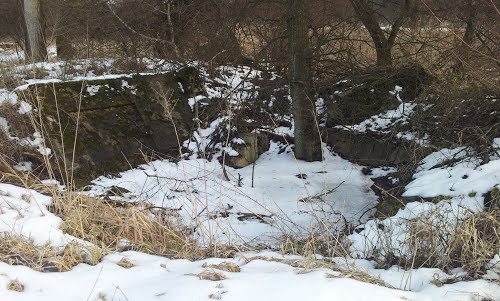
{"type": "Point", "coordinates": [475, 241]}
{"type": "Point", "coordinates": [326, 243]}
{"type": "Point", "coordinates": [211, 275]}
{"type": "Point", "coordinates": [470, 245]}
{"type": "Point", "coordinates": [19, 124]}
{"type": "Point", "coordinates": [309, 264]}
{"type": "Point", "coordinates": [223, 266]}
{"type": "Point", "coordinates": [15, 285]}
{"type": "Point", "coordinates": [108, 226]}
{"type": "Point", "coordinates": [17, 250]}
{"type": "Point", "coordinates": [13, 150]}
{"type": "Point", "coordinates": [125, 263]}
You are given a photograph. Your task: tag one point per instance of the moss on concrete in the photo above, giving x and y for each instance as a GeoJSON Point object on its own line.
{"type": "Point", "coordinates": [118, 119]}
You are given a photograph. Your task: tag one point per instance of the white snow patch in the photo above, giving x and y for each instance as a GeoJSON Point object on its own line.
{"type": "Point", "coordinates": [279, 203]}
{"type": "Point", "coordinates": [93, 89]}
{"type": "Point", "coordinates": [24, 166]}
{"type": "Point", "coordinates": [382, 122]}
{"type": "Point", "coordinates": [24, 107]}
{"type": "Point", "coordinates": [126, 85]}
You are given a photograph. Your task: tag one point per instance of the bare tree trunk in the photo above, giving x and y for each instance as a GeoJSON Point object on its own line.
{"type": "Point", "coordinates": [383, 44]}
{"type": "Point", "coordinates": [307, 137]}
{"type": "Point", "coordinates": [63, 39]}
{"type": "Point", "coordinates": [65, 50]}
{"type": "Point", "coordinates": [33, 19]}
{"type": "Point", "coordinates": [470, 28]}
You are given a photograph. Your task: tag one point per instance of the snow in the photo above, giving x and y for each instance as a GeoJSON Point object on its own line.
{"type": "Point", "coordinates": [392, 236]}
{"type": "Point", "coordinates": [396, 92]}
{"type": "Point", "coordinates": [24, 212]}
{"type": "Point", "coordinates": [280, 202]}
{"type": "Point", "coordinates": [382, 122]}
{"type": "Point", "coordinates": [467, 176]}
{"type": "Point", "coordinates": [94, 89]}
{"type": "Point", "coordinates": [386, 121]}
{"type": "Point", "coordinates": [263, 276]}
{"type": "Point", "coordinates": [24, 166]}
{"type": "Point", "coordinates": [7, 97]}
{"type": "Point", "coordinates": [193, 100]}
{"type": "Point", "coordinates": [37, 142]}
{"type": "Point", "coordinates": [289, 197]}
{"type": "Point", "coordinates": [24, 107]}
{"type": "Point", "coordinates": [456, 176]}
{"type": "Point", "coordinates": [10, 56]}
{"type": "Point", "coordinates": [230, 151]}
{"type": "Point", "coordinates": [382, 171]}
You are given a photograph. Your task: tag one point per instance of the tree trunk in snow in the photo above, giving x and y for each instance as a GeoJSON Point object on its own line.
{"type": "Point", "coordinates": [307, 135]}
{"type": "Point", "coordinates": [33, 19]}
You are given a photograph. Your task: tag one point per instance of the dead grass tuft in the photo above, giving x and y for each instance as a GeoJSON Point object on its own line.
{"type": "Point", "coordinates": [15, 285]}
{"type": "Point", "coordinates": [310, 264]}
{"type": "Point", "coordinates": [326, 244]}
{"type": "Point", "coordinates": [470, 245]}
{"type": "Point", "coordinates": [75, 253]}
{"type": "Point", "coordinates": [476, 241]}
{"type": "Point", "coordinates": [125, 263]}
{"type": "Point", "coordinates": [105, 225]}
{"type": "Point", "coordinates": [359, 276]}
{"type": "Point", "coordinates": [211, 275]}
{"type": "Point", "coordinates": [17, 250]}
{"type": "Point", "coordinates": [224, 266]}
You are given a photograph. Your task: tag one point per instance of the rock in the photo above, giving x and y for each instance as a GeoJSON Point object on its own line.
{"type": "Point", "coordinates": [370, 148]}
{"type": "Point", "coordinates": [255, 144]}
{"type": "Point", "coordinates": [121, 121]}
{"type": "Point", "coordinates": [356, 99]}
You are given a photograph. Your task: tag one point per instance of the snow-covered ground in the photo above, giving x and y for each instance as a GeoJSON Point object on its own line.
{"type": "Point", "coordinates": [288, 197]}
{"type": "Point", "coordinates": [460, 186]}
{"type": "Point", "coordinates": [155, 278]}
{"type": "Point", "coordinates": [262, 276]}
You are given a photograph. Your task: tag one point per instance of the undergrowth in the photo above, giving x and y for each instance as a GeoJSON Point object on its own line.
{"type": "Point", "coordinates": [132, 227]}
{"type": "Point", "coordinates": [18, 250]}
